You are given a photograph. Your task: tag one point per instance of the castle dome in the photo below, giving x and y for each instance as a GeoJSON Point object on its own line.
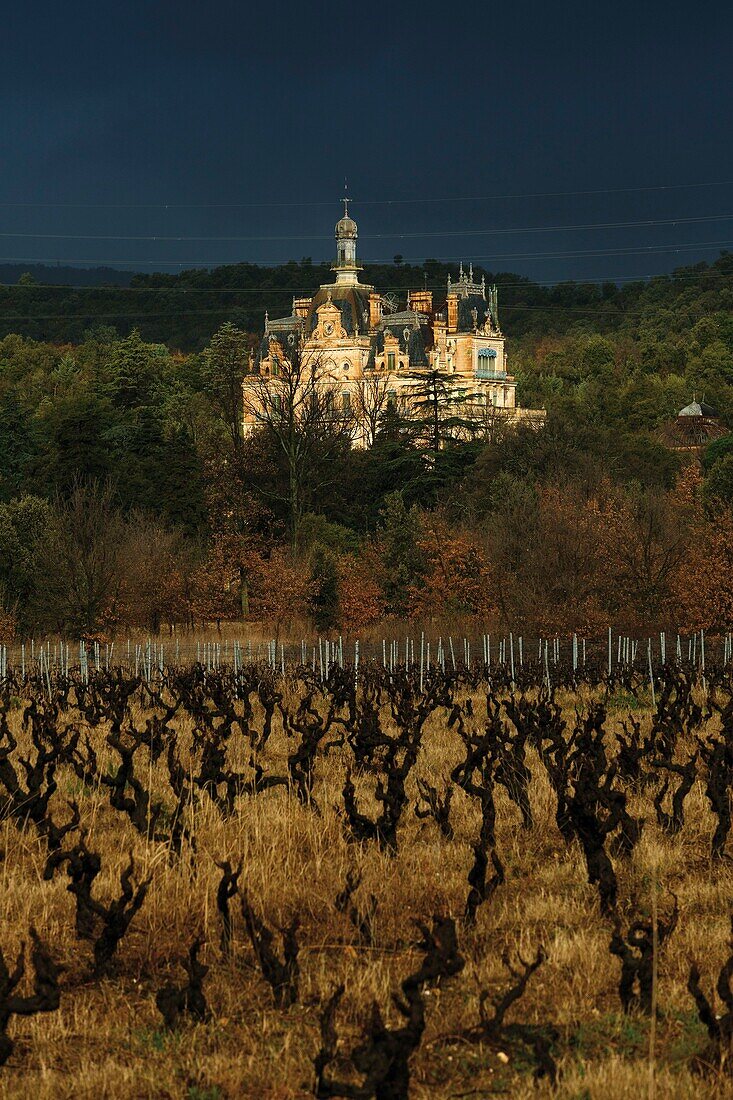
{"type": "Point", "coordinates": [346, 228]}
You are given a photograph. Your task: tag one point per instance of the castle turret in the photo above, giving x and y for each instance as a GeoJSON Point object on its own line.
{"type": "Point", "coordinates": [346, 267]}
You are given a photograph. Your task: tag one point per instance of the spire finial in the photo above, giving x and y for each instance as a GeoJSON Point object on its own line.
{"type": "Point", "coordinates": [345, 199]}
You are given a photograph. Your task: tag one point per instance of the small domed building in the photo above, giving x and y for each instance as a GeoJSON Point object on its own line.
{"type": "Point", "coordinates": [359, 339]}
{"type": "Point", "coordinates": [695, 426]}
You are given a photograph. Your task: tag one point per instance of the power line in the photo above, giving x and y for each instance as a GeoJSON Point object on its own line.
{"type": "Point", "coordinates": [274, 290]}
{"type": "Point", "coordinates": [645, 223]}
{"type": "Point", "coordinates": [200, 263]}
{"type": "Point", "coordinates": [612, 310]}
{"type": "Point", "coordinates": [363, 202]}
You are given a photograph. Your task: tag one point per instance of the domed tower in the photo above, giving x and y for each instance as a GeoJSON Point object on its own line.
{"type": "Point", "coordinates": [346, 267]}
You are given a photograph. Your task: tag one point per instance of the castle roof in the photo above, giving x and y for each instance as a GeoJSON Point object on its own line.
{"type": "Point", "coordinates": [413, 333]}
{"type": "Point", "coordinates": [351, 300]}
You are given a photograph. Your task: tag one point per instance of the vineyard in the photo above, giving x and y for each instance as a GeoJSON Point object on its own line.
{"type": "Point", "coordinates": [388, 879]}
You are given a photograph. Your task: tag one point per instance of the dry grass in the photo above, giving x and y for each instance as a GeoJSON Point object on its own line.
{"type": "Point", "coordinates": [107, 1038]}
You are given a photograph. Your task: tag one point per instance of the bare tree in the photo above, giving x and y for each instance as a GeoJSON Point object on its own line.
{"type": "Point", "coordinates": [370, 399]}
{"type": "Point", "coordinates": [79, 560]}
{"type": "Point", "coordinates": [299, 404]}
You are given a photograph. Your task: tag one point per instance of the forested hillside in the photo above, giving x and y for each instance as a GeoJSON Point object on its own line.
{"type": "Point", "coordinates": [130, 498]}
{"type": "Point", "coordinates": [183, 310]}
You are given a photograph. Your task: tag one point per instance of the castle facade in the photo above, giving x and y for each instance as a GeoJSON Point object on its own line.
{"type": "Point", "coordinates": [367, 349]}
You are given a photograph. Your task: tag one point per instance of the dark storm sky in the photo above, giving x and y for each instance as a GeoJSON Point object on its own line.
{"type": "Point", "coordinates": [127, 121]}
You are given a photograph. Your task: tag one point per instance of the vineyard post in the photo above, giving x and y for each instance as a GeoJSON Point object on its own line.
{"type": "Point", "coordinates": [521, 651]}
{"type": "Point", "coordinates": [511, 654]}
{"type": "Point", "coordinates": [452, 654]}
{"type": "Point", "coordinates": [651, 672]}
{"type": "Point", "coordinates": [356, 661]}
{"type": "Point", "coordinates": [702, 658]}
{"type": "Point", "coordinates": [422, 657]}
{"type": "Point", "coordinates": [609, 652]}
{"type": "Point", "coordinates": [22, 660]}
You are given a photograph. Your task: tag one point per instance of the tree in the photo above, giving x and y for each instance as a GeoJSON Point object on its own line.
{"type": "Point", "coordinates": [647, 540]}
{"type": "Point", "coordinates": [324, 583]}
{"type": "Point", "coordinates": [458, 578]}
{"type": "Point", "coordinates": [136, 372]}
{"type": "Point", "coordinates": [401, 561]}
{"type": "Point", "coordinates": [283, 590]}
{"type": "Point", "coordinates": [298, 408]}
{"type": "Point", "coordinates": [79, 559]}
{"type": "Point", "coordinates": [370, 401]}
{"type": "Point", "coordinates": [75, 441]}
{"type": "Point", "coordinates": [224, 366]}
{"type": "Point", "coordinates": [719, 482]}
{"type": "Point", "coordinates": [155, 566]}
{"type": "Point", "coordinates": [24, 523]}
{"type": "Point", "coordinates": [441, 408]}
{"type": "Point", "coordinates": [18, 444]}
{"type": "Point", "coordinates": [361, 602]}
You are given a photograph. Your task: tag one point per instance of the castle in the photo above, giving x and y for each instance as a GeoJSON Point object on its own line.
{"type": "Point", "coordinates": [364, 346]}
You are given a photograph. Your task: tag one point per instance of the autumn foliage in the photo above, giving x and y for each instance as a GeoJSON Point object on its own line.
{"type": "Point", "coordinates": [567, 561]}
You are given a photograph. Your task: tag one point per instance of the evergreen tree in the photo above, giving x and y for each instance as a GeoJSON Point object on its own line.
{"type": "Point", "coordinates": [324, 588]}
{"type": "Point", "coordinates": [402, 562]}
